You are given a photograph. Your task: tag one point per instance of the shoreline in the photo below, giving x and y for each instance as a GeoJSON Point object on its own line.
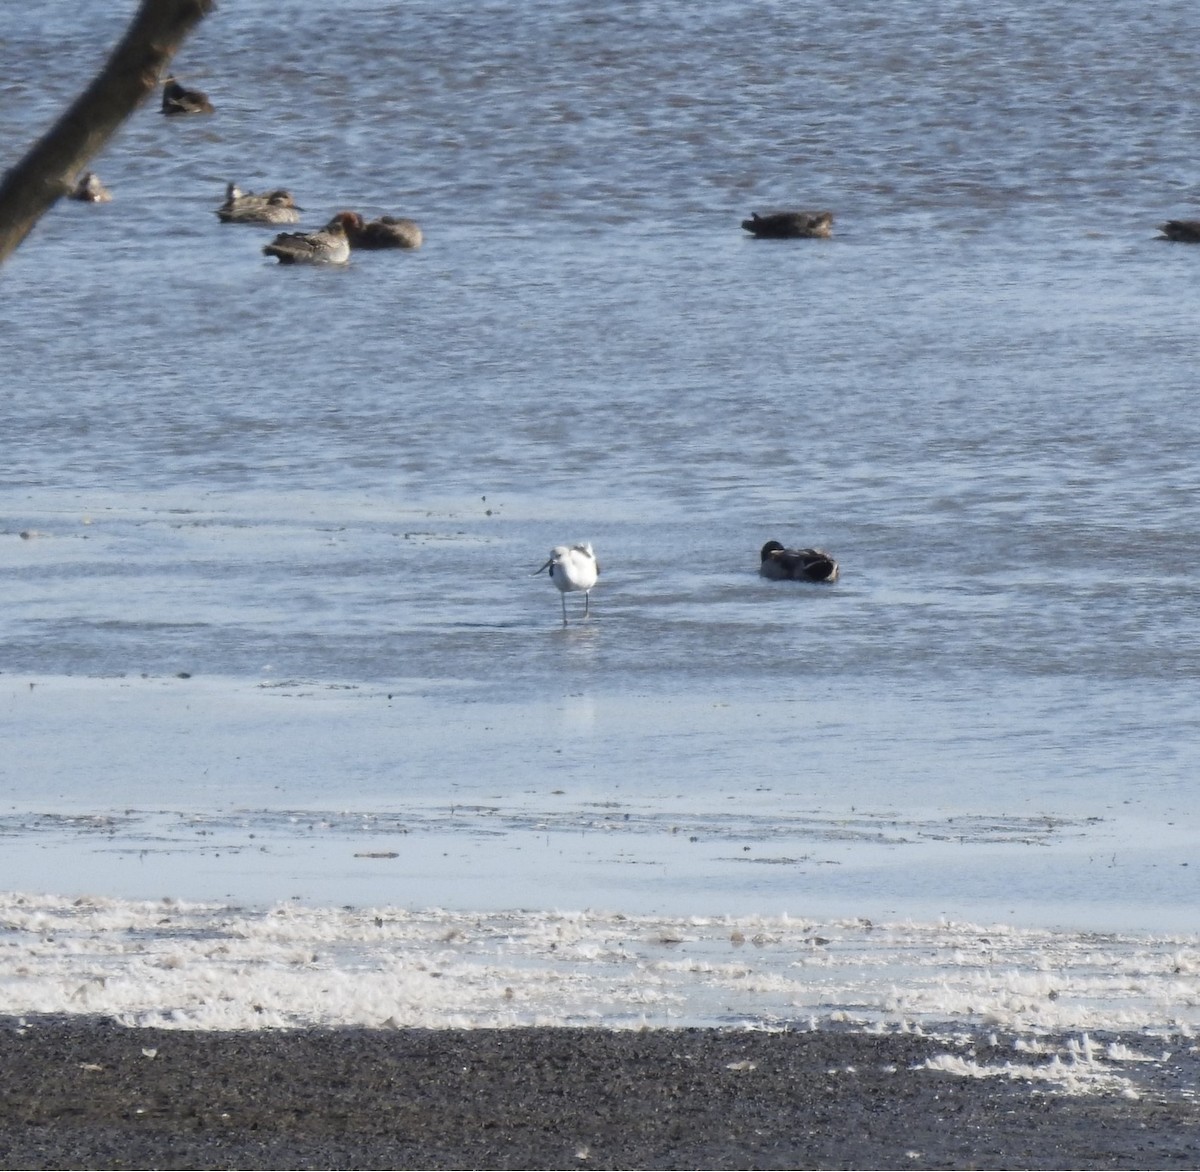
{"type": "Point", "coordinates": [216, 967]}
{"type": "Point", "coordinates": [86, 1092]}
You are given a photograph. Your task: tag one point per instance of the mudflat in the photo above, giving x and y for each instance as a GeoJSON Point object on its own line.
{"type": "Point", "coordinates": [88, 1093]}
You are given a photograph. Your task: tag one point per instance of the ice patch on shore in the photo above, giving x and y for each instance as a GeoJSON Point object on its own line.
{"type": "Point", "coordinates": [212, 966]}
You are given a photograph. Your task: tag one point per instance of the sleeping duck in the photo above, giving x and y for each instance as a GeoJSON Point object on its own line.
{"type": "Point", "coordinates": [329, 246]}
{"type": "Point", "coordinates": [789, 225]}
{"type": "Point", "coordinates": [177, 100]}
{"type": "Point", "coordinates": [386, 232]}
{"type": "Point", "coordinates": [798, 565]}
{"type": "Point", "coordinates": [1185, 231]}
{"type": "Point", "coordinates": [89, 189]}
{"type": "Point", "coordinates": [245, 207]}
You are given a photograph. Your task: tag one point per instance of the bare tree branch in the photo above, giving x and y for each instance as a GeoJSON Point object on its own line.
{"type": "Point", "coordinates": [132, 72]}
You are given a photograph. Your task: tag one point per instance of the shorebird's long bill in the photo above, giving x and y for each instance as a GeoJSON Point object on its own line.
{"type": "Point", "coordinates": [542, 568]}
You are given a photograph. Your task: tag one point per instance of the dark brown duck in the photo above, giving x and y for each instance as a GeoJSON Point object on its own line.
{"type": "Point", "coordinates": [789, 225]}
{"type": "Point", "coordinates": [797, 565]}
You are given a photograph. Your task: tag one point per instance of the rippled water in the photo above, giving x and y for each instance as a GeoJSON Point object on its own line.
{"type": "Point", "coordinates": [321, 494]}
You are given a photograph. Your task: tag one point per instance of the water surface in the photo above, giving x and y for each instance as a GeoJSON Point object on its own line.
{"type": "Point", "coordinates": [281, 523]}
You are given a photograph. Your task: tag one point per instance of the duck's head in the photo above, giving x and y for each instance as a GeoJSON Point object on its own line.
{"type": "Point", "coordinates": [282, 199]}
{"type": "Point", "coordinates": [343, 222]}
{"type": "Point", "coordinates": [772, 547]}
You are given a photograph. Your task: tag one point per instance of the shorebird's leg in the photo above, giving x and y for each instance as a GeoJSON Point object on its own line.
{"type": "Point", "coordinates": [563, 599]}
{"type": "Point", "coordinates": [587, 602]}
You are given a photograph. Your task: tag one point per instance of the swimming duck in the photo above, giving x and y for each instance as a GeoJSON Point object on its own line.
{"type": "Point", "coordinates": [89, 189]}
{"type": "Point", "coordinates": [783, 225]}
{"type": "Point", "coordinates": [572, 567]}
{"type": "Point", "coordinates": [800, 565]}
{"type": "Point", "coordinates": [328, 246]}
{"type": "Point", "coordinates": [177, 100]}
{"type": "Point", "coordinates": [246, 207]}
{"type": "Point", "coordinates": [386, 232]}
{"type": "Point", "coordinates": [1185, 231]}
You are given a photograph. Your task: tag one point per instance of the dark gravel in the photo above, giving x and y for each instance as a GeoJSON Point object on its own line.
{"type": "Point", "coordinates": [82, 1093]}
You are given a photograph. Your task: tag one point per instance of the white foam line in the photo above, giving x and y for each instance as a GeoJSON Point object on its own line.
{"type": "Point", "coordinates": [208, 966]}
{"type": "Point", "coordinates": [1076, 1078]}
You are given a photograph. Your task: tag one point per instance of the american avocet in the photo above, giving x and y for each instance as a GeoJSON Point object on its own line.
{"type": "Point", "coordinates": [386, 232]}
{"type": "Point", "coordinates": [782, 225]}
{"type": "Point", "coordinates": [177, 100]}
{"type": "Point", "coordinates": [1185, 231]}
{"type": "Point", "coordinates": [329, 246]}
{"type": "Point", "coordinates": [245, 207]}
{"type": "Point", "coordinates": [800, 565]}
{"type": "Point", "coordinates": [572, 567]}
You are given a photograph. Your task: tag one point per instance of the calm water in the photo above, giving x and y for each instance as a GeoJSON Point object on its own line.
{"type": "Point", "coordinates": [322, 493]}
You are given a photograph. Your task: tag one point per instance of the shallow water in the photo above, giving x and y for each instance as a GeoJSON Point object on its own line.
{"type": "Point", "coordinates": [320, 495]}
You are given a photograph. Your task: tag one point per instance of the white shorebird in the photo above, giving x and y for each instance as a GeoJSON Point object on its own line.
{"type": "Point", "coordinates": [573, 567]}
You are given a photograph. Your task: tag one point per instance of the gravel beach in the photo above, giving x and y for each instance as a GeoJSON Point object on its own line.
{"type": "Point", "coordinates": [87, 1093]}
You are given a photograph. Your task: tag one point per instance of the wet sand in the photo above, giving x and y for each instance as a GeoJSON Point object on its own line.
{"type": "Point", "coordinates": [87, 1093]}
